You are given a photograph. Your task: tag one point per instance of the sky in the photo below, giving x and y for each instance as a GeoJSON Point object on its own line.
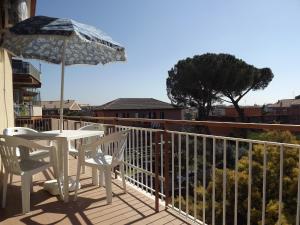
{"type": "Point", "coordinates": [158, 33]}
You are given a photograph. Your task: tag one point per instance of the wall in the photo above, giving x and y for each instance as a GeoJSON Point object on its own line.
{"type": "Point", "coordinates": [37, 111]}
{"type": "Point", "coordinates": [249, 111]}
{"type": "Point", "coordinates": [6, 92]}
{"type": "Point", "coordinates": [175, 114]}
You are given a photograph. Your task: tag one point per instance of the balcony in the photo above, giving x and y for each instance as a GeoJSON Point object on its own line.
{"type": "Point", "coordinates": [91, 207]}
{"type": "Point", "coordinates": [26, 110]}
{"type": "Point", "coordinates": [192, 176]}
{"type": "Point", "coordinates": [25, 74]}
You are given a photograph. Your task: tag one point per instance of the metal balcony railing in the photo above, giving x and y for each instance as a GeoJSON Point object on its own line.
{"type": "Point", "coordinates": [21, 67]}
{"type": "Point", "coordinates": [209, 179]}
{"type": "Point", "coordinates": [22, 110]}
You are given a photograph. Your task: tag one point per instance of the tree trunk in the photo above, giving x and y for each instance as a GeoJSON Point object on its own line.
{"type": "Point", "coordinates": [201, 112]}
{"type": "Point", "coordinates": [240, 111]}
{"type": "Point", "coordinates": [202, 115]}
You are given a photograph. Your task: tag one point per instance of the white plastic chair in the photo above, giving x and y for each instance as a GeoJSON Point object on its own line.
{"type": "Point", "coordinates": [114, 143]}
{"type": "Point", "coordinates": [12, 131]}
{"type": "Point", "coordinates": [25, 168]}
{"type": "Point", "coordinates": [38, 154]}
{"type": "Point", "coordinates": [97, 127]}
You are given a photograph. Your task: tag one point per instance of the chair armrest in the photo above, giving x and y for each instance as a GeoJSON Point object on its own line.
{"type": "Point", "coordinates": [103, 140]}
{"type": "Point", "coordinates": [21, 142]}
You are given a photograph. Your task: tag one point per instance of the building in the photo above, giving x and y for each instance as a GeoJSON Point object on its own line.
{"type": "Point", "coordinates": [284, 111]}
{"type": "Point", "coordinates": [11, 12]}
{"type": "Point", "coordinates": [71, 107]}
{"type": "Point", "coordinates": [26, 94]}
{"type": "Point", "coordinates": [229, 113]}
{"type": "Point", "coordinates": [139, 108]}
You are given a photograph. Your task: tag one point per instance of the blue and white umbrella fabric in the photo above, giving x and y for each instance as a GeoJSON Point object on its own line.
{"type": "Point", "coordinates": [61, 41]}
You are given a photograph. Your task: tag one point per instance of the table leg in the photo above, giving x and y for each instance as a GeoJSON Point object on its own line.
{"type": "Point", "coordinates": [95, 177]}
{"type": "Point", "coordinates": [60, 157]}
{"type": "Point", "coordinates": [65, 151]}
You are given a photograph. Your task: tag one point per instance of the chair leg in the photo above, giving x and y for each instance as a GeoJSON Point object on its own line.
{"type": "Point", "coordinates": [60, 187]}
{"type": "Point", "coordinates": [31, 184]}
{"type": "Point", "coordinates": [5, 179]}
{"type": "Point", "coordinates": [101, 177]}
{"type": "Point", "coordinates": [11, 178]}
{"type": "Point", "coordinates": [77, 178]}
{"type": "Point", "coordinates": [25, 180]}
{"type": "Point", "coordinates": [2, 167]}
{"type": "Point", "coordinates": [56, 172]}
{"type": "Point", "coordinates": [81, 157]}
{"type": "Point", "coordinates": [123, 177]}
{"type": "Point", "coordinates": [108, 185]}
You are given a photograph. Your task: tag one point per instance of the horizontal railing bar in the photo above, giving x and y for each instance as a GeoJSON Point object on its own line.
{"type": "Point", "coordinates": [261, 126]}
{"type": "Point", "coordinates": [138, 128]}
{"type": "Point", "coordinates": [210, 136]}
{"type": "Point", "coordinates": [134, 182]}
{"type": "Point", "coordinates": [188, 216]}
{"type": "Point", "coordinates": [144, 171]}
{"type": "Point", "coordinates": [237, 139]}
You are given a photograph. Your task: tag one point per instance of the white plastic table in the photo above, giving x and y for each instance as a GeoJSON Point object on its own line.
{"type": "Point", "coordinates": [63, 139]}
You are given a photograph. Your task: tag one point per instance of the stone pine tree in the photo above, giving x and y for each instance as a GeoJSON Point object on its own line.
{"type": "Point", "coordinates": [202, 80]}
{"type": "Point", "coordinates": [187, 85]}
{"type": "Point", "coordinates": [236, 78]}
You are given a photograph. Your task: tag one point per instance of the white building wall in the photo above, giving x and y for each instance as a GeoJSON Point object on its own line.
{"type": "Point", "coordinates": [6, 92]}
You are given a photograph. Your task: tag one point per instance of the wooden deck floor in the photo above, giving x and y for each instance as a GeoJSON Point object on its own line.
{"type": "Point", "coordinates": [90, 208]}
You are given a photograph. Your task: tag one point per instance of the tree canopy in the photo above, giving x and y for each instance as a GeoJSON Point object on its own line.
{"type": "Point", "coordinates": [187, 85]}
{"type": "Point", "coordinates": [204, 79]}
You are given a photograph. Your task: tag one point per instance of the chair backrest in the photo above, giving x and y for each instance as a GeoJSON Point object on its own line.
{"type": "Point", "coordinates": [11, 131]}
{"type": "Point", "coordinates": [94, 126]}
{"type": "Point", "coordinates": [9, 158]}
{"type": "Point", "coordinates": [113, 144]}
{"type": "Point", "coordinates": [9, 145]}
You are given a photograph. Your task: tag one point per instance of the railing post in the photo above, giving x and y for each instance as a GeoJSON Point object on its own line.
{"type": "Point", "coordinates": [156, 181]}
{"type": "Point", "coordinates": [166, 139]}
{"type": "Point", "coordinates": [114, 130]}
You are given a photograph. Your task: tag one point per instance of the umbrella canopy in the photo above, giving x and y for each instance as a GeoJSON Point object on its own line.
{"type": "Point", "coordinates": [61, 41]}
{"type": "Point", "coordinates": [42, 38]}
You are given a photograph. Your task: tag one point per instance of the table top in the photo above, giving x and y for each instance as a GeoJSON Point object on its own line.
{"type": "Point", "coordinates": [66, 134]}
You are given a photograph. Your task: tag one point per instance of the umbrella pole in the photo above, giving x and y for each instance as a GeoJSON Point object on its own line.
{"type": "Point", "coordinates": [61, 111]}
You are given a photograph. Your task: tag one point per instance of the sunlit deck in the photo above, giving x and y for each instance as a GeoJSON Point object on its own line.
{"type": "Point", "coordinates": [90, 208]}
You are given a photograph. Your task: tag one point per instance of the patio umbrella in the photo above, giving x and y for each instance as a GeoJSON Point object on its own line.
{"type": "Point", "coordinates": [61, 41]}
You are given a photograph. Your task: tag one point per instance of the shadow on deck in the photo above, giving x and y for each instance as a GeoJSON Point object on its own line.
{"type": "Point", "coordinates": [91, 208]}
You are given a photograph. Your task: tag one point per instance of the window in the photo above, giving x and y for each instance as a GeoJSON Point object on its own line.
{"type": "Point", "coordinates": [162, 115]}
{"type": "Point", "coordinates": [154, 115]}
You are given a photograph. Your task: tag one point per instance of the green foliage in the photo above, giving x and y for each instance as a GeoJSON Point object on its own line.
{"type": "Point", "coordinates": [204, 79]}
{"type": "Point", "coordinates": [290, 184]}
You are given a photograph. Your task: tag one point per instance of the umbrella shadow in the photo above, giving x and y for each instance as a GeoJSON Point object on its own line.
{"type": "Point", "coordinates": [70, 210]}
{"type": "Point", "coordinates": [66, 210]}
